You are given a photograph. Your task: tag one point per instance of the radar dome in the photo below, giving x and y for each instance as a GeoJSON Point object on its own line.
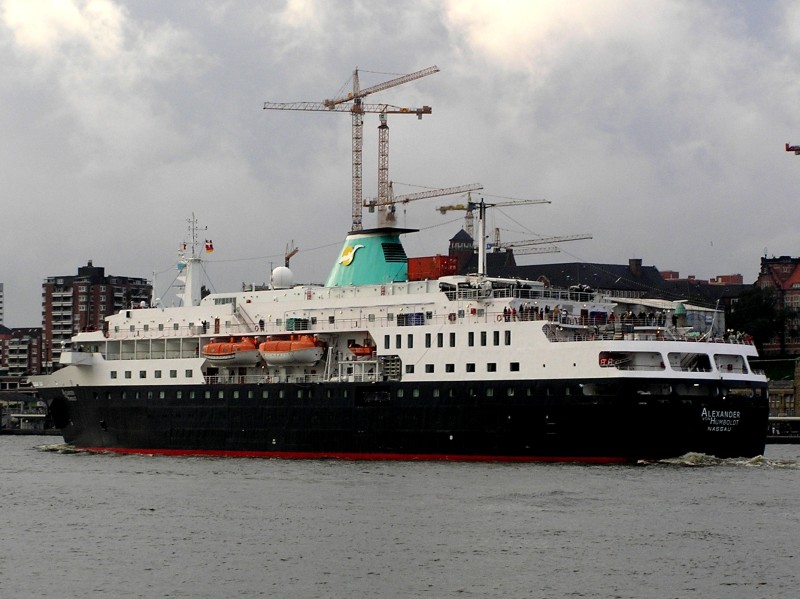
{"type": "Point", "coordinates": [282, 278]}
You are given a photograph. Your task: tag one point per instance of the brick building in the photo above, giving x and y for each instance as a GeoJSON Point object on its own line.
{"type": "Point", "coordinates": [21, 351]}
{"type": "Point", "coordinates": [782, 275]}
{"type": "Point", "coordinates": [75, 303]}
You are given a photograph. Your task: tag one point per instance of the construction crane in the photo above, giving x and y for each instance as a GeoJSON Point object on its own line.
{"type": "Point", "coordinates": [291, 250]}
{"type": "Point", "coordinates": [353, 104]}
{"type": "Point", "coordinates": [386, 205]}
{"type": "Point", "coordinates": [538, 241]}
{"type": "Point", "coordinates": [470, 206]}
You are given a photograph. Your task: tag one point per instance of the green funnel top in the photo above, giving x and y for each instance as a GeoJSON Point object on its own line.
{"type": "Point", "coordinates": [370, 257]}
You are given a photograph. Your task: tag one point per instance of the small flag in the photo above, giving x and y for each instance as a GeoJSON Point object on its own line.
{"type": "Point", "coordinates": [209, 246]}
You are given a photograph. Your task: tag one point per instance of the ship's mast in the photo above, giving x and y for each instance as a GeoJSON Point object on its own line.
{"type": "Point", "coordinates": [189, 266]}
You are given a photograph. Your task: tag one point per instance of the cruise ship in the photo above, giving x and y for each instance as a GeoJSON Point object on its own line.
{"type": "Point", "coordinates": [378, 364]}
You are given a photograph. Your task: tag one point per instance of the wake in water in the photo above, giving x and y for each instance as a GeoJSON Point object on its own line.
{"type": "Point", "coordinates": [700, 459]}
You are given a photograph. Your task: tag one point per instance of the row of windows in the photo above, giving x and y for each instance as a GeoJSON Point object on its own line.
{"type": "Point", "coordinates": [469, 367]}
{"type": "Point", "coordinates": [307, 393]}
{"type": "Point", "coordinates": [481, 338]}
{"type": "Point", "coordinates": [173, 374]}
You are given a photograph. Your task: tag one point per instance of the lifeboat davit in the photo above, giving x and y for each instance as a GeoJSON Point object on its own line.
{"type": "Point", "coordinates": [297, 349]}
{"type": "Point", "coordinates": [241, 352]}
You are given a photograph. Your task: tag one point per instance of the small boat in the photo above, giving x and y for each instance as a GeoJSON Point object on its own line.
{"type": "Point", "coordinates": [295, 349]}
{"type": "Point", "coordinates": [234, 352]}
{"type": "Point", "coordinates": [361, 351]}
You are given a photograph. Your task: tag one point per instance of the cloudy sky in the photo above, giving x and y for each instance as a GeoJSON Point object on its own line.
{"type": "Point", "coordinates": [657, 127]}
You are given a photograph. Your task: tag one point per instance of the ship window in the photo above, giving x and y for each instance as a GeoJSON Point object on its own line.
{"type": "Point", "coordinates": [436, 393]}
{"type": "Point", "coordinates": [173, 374]}
{"type": "Point", "coordinates": [427, 339]}
{"type": "Point", "coordinates": [191, 394]}
{"type": "Point", "coordinates": [489, 392]}
{"type": "Point", "coordinates": [508, 338]}
{"type": "Point", "coordinates": [409, 369]}
{"type": "Point", "coordinates": [449, 367]}
{"type": "Point", "coordinates": [470, 367]}
{"type": "Point", "coordinates": [161, 394]}
{"type": "Point", "coordinates": [282, 393]}
{"type": "Point", "coordinates": [161, 327]}
{"type": "Point", "coordinates": [428, 368]}
{"type": "Point", "coordinates": [491, 367]}
{"type": "Point", "coordinates": [236, 395]}
{"type": "Point", "coordinates": [127, 374]}
{"type": "Point", "coordinates": [439, 339]}
{"type": "Point", "coordinates": [481, 311]}
{"type": "Point", "coordinates": [461, 313]}
{"type": "Point", "coordinates": [510, 391]}
{"type": "Point", "coordinates": [483, 337]}
{"type": "Point", "coordinates": [123, 395]}
{"type": "Point", "coordinates": [514, 366]}
{"type": "Point", "coordinates": [370, 318]}
{"type": "Point", "coordinates": [410, 341]}
{"type": "Point", "coordinates": [149, 395]}
{"type": "Point", "coordinates": [207, 394]}
{"type": "Point", "coordinates": [452, 339]}
{"type": "Point", "coordinates": [113, 374]}
{"type": "Point", "coordinates": [175, 326]}
{"type": "Point", "coordinates": [398, 341]}
{"type": "Point", "coordinates": [265, 394]}
{"type": "Point", "coordinates": [300, 393]}
{"type": "Point", "coordinates": [116, 329]}
{"type": "Point", "coordinates": [331, 319]}
{"type": "Point", "coordinates": [496, 337]}
{"type": "Point", "coordinates": [179, 395]}
{"type": "Point", "coordinates": [133, 328]}
{"type": "Point", "coordinates": [471, 338]}
{"type": "Point", "coordinates": [386, 342]}
{"type": "Point", "coordinates": [451, 392]}
{"type": "Point", "coordinates": [399, 393]}
{"type": "Point", "coordinates": [157, 374]}
{"type": "Point", "coordinates": [415, 392]}
{"type": "Point", "coordinates": [147, 327]}
{"type": "Point", "coordinates": [249, 395]}
{"type": "Point", "coordinates": [188, 373]}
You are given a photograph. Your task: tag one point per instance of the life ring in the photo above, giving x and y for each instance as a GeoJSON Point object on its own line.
{"type": "Point", "coordinates": [452, 317]}
{"type": "Point", "coordinates": [500, 318]}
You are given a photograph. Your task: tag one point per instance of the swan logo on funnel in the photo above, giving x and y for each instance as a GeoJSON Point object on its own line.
{"type": "Point", "coordinates": [348, 254]}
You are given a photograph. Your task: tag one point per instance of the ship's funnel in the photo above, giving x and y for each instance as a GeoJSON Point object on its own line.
{"type": "Point", "coordinates": [371, 257]}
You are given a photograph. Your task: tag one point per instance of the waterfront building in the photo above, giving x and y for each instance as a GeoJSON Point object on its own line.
{"type": "Point", "coordinates": [782, 275]}
{"type": "Point", "coordinates": [21, 351]}
{"type": "Point", "coordinates": [75, 303]}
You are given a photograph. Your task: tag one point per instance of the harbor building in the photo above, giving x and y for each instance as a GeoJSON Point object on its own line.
{"type": "Point", "coordinates": [21, 351]}
{"type": "Point", "coordinates": [782, 276]}
{"type": "Point", "coordinates": [75, 303]}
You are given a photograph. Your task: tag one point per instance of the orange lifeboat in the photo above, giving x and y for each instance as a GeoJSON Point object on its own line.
{"type": "Point", "coordinates": [361, 351]}
{"type": "Point", "coordinates": [296, 349]}
{"type": "Point", "coordinates": [241, 352]}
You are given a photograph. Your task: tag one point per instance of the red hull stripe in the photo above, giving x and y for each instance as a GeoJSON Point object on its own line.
{"type": "Point", "coordinates": [322, 455]}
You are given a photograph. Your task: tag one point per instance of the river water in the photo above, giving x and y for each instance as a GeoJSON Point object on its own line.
{"type": "Point", "coordinates": [104, 525]}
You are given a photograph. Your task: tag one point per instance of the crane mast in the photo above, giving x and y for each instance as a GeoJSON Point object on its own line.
{"type": "Point", "coordinates": [353, 104]}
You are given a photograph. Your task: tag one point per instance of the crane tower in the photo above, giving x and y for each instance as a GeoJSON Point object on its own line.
{"type": "Point", "coordinates": [352, 103]}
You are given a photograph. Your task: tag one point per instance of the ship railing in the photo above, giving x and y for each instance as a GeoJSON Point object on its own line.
{"type": "Point", "coordinates": [299, 379]}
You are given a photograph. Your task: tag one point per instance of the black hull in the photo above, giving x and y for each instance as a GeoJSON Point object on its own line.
{"type": "Point", "coordinates": [469, 421]}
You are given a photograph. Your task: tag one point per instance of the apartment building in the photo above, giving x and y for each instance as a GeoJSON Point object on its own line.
{"type": "Point", "coordinates": [75, 303]}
